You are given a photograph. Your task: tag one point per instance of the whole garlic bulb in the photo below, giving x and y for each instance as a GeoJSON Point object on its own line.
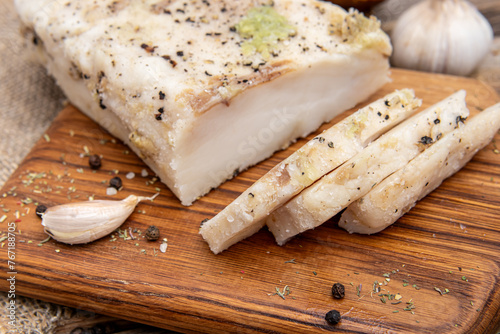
{"type": "Point", "coordinates": [443, 36]}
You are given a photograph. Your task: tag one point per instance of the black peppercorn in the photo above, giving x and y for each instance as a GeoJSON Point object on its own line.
{"type": "Point", "coordinates": [152, 233]}
{"type": "Point", "coordinates": [95, 161]}
{"type": "Point", "coordinates": [333, 317]}
{"type": "Point", "coordinates": [115, 182]}
{"type": "Point", "coordinates": [40, 209]}
{"type": "Point", "coordinates": [338, 291]}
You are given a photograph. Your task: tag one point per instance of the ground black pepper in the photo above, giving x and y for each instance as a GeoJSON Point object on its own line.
{"type": "Point", "coordinates": [40, 209]}
{"type": "Point", "coordinates": [148, 48]}
{"type": "Point", "coordinates": [236, 172]}
{"type": "Point", "coordinates": [101, 104]}
{"type": "Point", "coordinates": [115, 182]}
{"type": "Point", "coordinates": [100, 75]}
{"type": "Point", "coordinates": [338, 291]}
{"type": "Point", "coordinates": [170, 60]}
{"type": "Point", "coordinates": [333, 317]}
{"type": "Point", "coordinates": [95, 161]}
{"type": "Point", "coordinates": [426, 140]}
{"type": "Point", "coordinates": [203, 221]}
{"type": "Point", "coordinates": [320, 139]}
{"type": "Point", "coordinates": [152, 233]}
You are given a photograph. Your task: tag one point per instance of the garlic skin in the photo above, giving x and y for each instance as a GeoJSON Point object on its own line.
{"type": "Point", "coordinates": [83, 222]}
{"type": "Point", "coordinates": [441, 36]}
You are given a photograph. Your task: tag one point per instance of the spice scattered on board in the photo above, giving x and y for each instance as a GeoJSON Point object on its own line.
{"type": "Point", "coordinates": [333, 317]}
{"type": "Point", "coordinates": [286, 291]}
{"type": "Point", "coordinates": [95, 161]}
{"type": "Point", "coordinates": [40, 209]}
{"type": "Point", "coordinates": [110, 191]}
{"type": "Point", "coordinates": [164, 245]}
{"type": "Point", "coordinates": [152, 233]}
{"type": "Point", "coordinates": [116, 182]}
{"type": "Point", "coordinates": [338, 291]}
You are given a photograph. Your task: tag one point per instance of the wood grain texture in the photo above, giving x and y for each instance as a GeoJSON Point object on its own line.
{"type": "Point", "coordinates": [448, 241]}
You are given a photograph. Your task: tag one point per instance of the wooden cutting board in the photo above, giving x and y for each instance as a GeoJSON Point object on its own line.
{"type": "Point", "coordinates": [450, 241]}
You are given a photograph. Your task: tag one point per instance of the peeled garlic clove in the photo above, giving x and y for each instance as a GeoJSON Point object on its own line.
{"type": "Point", "coordinates": [83, 222]}
{"type": "Point", "coordinates": [442, 36]}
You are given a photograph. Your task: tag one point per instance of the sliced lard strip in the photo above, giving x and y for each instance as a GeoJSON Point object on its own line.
{"type": "Point", "coordinates": [244, 216]}
{"type": "Point", "coordinates": [336, 190]}
{"type": "Point", "coordinates": [399, 192]}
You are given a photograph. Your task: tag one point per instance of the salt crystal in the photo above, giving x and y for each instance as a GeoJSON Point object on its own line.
{"type": "Point", "coordinates": [144, 172]}
{"type": "Point", "coordinates": [111, 191]}
{"type": "Point", "coordinates": [163, 247]}
{"type": "Point", "coordinates": [130, 175]}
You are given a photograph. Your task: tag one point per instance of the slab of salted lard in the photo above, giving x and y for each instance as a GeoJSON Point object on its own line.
{"type": "Point", "coordinates": [399, 192]}
{"type": "Point", "coordinates": [201, 89]}
{"type": "Point", "coordinates": [336, 190]}
{"type": "Point", "coordinates": [245, 215]}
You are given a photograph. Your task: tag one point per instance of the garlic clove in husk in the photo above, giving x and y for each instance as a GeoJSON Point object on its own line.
{"type": "Point", "coordinates": [441, 36]}
{"type": "Point", "coordinates": [83, 222]}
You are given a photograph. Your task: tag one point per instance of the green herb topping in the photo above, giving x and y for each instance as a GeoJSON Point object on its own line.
{"type": "Point", "coordinates": [262, 28]}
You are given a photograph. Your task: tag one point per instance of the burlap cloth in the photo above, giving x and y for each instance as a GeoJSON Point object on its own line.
{"type": "Point", "coordinates": [29, 101]}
